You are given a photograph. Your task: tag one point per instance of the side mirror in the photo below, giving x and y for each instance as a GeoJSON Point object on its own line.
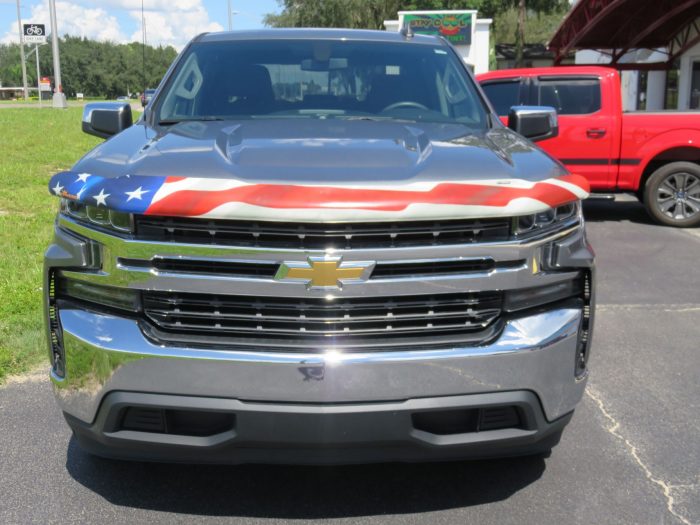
{"type": "Point", "coordinates": [534, 122]}
{"type": "Point", "coordinates": [104, 119]}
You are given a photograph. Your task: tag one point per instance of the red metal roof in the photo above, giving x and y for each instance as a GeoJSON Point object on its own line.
{"type": "Point", "coordinates": [622, 25]}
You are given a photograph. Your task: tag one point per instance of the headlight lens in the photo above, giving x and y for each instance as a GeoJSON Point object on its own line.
{"type": "Point", "coordinates": [546, 220]}
{"type": "Point", "coordinates": [104, 217]}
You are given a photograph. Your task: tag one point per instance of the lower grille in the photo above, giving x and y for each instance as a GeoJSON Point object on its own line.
{"type": "Point", "coordinates": [286, 322]}
{"type": "Point", "coordinates": [461, 421]}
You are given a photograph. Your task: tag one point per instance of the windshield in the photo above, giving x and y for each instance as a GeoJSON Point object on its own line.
{"type": "Point", "coordinates": [320, 79]}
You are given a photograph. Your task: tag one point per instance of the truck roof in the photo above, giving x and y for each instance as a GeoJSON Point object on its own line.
{"type": "Point", "coordinates": [319, 34]}
{"type": "Point", "coordinates": [548, 71]}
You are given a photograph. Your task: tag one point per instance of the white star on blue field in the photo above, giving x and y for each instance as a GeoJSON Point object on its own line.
{"type": "Point", "coordinates": [128, 193]}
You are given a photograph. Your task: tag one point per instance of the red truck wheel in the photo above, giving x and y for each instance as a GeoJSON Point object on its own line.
{"type": "Point", "coordinates": [672, 194]}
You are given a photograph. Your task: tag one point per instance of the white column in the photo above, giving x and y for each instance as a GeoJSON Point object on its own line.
{"type": "Point", "coordinates": [630, 82]}
{"type": "Point", "coordinates": [481, 45]}
{"type": "Point", "coordinates": [656, 90]}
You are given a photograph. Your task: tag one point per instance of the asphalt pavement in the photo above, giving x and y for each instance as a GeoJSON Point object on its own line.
{"type": "Point", "coordinates": [630, 455]}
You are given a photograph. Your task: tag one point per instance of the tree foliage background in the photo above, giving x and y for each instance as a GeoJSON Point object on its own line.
{"type": "Point", "coordinates": [514, 21]}
{"type": "Point", "coordinates": [96, 69]}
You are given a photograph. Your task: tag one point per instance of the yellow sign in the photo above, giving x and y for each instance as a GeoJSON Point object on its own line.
{"type": "Point", "coordinates": [320, 272]}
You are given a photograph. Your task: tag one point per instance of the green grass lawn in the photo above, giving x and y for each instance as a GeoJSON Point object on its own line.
{"type": "Point", "coordinates": [34, 144]}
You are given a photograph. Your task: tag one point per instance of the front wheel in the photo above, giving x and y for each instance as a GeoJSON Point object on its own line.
{"type": "Point", "coordinates": [672, 194]}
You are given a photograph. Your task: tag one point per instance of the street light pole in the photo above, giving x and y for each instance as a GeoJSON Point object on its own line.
{"type": "Point", "coordinates": [230, 15]}
{"type": "Point", "coordinates": [59, 99]}
{"type": "Point", "coordinates": [21, 52]}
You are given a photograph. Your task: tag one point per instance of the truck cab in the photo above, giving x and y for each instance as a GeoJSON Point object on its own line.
{"type": "Point", "coordinates": [654, 155]}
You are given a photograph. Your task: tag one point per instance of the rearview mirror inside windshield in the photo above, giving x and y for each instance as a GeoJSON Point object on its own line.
{"type": "Point", "coordinates": [311, 64]}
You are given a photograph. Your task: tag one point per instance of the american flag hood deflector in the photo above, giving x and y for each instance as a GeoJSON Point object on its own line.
{"type": "Point", "coordinates": [235, 199]}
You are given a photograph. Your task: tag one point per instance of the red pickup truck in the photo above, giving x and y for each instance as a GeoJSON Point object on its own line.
{"type": "Point", "coordinates": [655, 155]}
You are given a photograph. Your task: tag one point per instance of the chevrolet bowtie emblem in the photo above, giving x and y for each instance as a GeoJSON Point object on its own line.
{"type": "Point", "coordinates": [324, 272]}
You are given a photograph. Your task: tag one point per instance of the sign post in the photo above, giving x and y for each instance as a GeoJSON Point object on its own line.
{"type": "Point", "coordinates": [35, 34]}
{"type": "Point", "coordinates": [38, 74]}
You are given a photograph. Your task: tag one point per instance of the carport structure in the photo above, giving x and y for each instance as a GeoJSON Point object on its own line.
{"type": "Point", "coordinates": [639, 35]}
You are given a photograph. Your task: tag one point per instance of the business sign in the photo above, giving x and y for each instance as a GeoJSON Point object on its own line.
{"type": "Point", "coordinates": [45, 84]}
{"type": "Point", "coordinates": [455, 27]}
{"type": "Point", "coordinates": [34, 33]}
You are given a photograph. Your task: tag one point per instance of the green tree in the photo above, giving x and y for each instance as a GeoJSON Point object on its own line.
{"type": "Point", "coordinates": [530, 17]}
{"type": "Point", "coordinates": [97, 69]}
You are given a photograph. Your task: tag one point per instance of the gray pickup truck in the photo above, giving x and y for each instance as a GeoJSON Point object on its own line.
{"type": "Point", "coordinates": [318, 246]}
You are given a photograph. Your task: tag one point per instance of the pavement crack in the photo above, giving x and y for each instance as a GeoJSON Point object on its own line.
{"type": "Point", "coordinates": [683, 307]}
{"type": "Point", "coordinates": [692, 231]}
{"type": "Point", "coordinates": [614, 429]}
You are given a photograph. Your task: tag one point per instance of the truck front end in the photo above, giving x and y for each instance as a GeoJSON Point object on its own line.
{"type": "Point", "coordinates": [294, 319]}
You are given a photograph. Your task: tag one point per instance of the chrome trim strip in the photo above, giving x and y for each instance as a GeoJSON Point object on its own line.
{"type": "Point", "coordinates": [116, 334]}
{"type": "Point", "coordinates": [137, 249]}
{"type": "Point", "coordinates": [114, 274]}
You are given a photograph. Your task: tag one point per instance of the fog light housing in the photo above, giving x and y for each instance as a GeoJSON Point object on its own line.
{"type": "Point", "coordinates": [540, 295]}
{"type": "Point", "coordinates": [109, 296]}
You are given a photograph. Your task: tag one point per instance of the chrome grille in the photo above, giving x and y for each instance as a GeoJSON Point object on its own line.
{"type": "Point", "coordinates": [338, 322]}
{"type": "Point", "coordinates": [321, 236]}
{"type": "Point", "coordinates": [267, 270]}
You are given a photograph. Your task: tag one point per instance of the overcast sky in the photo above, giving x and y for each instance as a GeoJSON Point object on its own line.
{"type": "Point", "coordinates": [168, 22]}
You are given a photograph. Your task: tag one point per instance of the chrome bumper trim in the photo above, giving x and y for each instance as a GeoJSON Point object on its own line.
{"type": "Point", "coordinates": [107, 353]}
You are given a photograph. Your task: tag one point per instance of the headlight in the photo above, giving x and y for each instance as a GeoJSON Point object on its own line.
{"type": "Point", "coordinates": [547, 220]}
{"type": "Point", "coordinates": [104, 217]}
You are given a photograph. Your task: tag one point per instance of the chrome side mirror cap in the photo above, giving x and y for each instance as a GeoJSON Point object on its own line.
{"type": "Point", "coordinates": [534, 122]}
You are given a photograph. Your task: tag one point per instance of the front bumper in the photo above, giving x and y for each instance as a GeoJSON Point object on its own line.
{"type": "Point", "coordinates": [317, 406]}
{"type": "Point", "coordinates": [292, 407]}
{"type": "Point", "coordinates": [318, 434]}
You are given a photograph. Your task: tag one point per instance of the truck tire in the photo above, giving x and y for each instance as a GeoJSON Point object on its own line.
{"type": "Point", "coordinates": [672, 194]}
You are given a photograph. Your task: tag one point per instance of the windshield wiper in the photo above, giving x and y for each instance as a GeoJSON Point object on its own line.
{"type": "Point", "coordinates": [170, 122]}
{"type": "Point", "coordinates": [373, 118]}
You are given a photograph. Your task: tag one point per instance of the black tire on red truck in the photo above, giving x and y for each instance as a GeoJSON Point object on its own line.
{"type": "Point", "coordinates": [672, 194]}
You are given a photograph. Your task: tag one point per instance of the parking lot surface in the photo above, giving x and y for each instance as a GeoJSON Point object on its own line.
{"type": "Point", "coordinates": [630, 455]}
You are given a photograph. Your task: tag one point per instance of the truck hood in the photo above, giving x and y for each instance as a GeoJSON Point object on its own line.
{"type": "Point", "coordinates": [319, 170]}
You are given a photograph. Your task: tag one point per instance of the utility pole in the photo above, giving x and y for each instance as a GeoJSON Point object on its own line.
{"type": "Point", "coordinates": [59, 99]}
{"type": "Point", "coordinates": [21, 53]}
{"type": "Point", "coordinates": [230, 15]}
{"type": "Point", "coordinates": [520, 35]}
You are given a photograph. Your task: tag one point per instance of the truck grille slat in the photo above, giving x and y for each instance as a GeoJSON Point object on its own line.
{"type": "Point", "coordinates": [166, 316]}
{"type": "Point", "coordinates": [321, 236]}
{"type": "Point", "coordinates": [267, 270]}
{"type": "Point", "coordinates": [342, 319]}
